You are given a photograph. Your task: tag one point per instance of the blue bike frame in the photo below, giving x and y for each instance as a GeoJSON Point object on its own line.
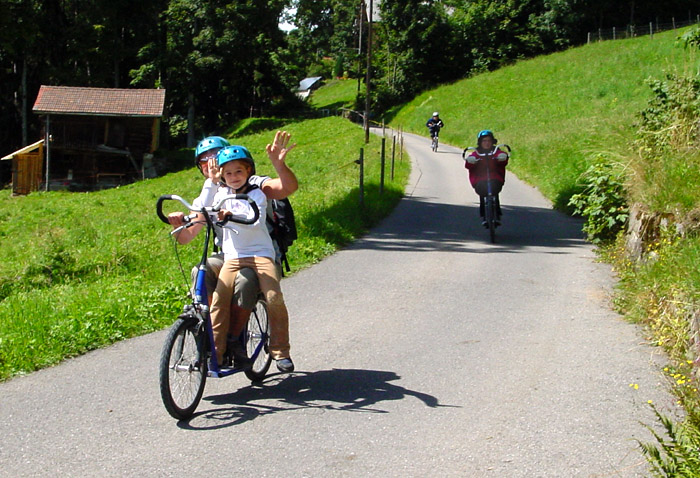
{"type": "Point", "coordinates": [199, 308]}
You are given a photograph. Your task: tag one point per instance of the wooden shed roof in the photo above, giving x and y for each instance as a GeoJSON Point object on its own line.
{"type": "Point", "coordinates": [71, 100]}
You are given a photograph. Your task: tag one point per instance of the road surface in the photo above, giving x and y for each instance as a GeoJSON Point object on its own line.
{"type": "Point", "coordinates": [421, 350]}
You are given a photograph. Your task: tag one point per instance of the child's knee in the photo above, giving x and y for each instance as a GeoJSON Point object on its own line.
{"type": "Point", "coordinates": [274, 298]}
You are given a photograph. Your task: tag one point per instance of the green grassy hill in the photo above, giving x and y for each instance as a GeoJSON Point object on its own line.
{"type": "Point", "coordinates": [82, 270]}
{"type": "Point", "coordinates": [556, 111]}
{"type": "Point", "coordinates": [334, 94]}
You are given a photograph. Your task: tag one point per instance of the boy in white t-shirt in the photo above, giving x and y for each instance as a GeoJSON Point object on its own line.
{"type": "Point", "coordinates": [248, 246]}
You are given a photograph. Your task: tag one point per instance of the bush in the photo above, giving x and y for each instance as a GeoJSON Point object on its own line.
{"type": "Point", "coordinates": [602, 201]}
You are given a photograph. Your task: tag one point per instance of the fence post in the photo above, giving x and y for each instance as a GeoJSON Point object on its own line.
{"type": "Point", "coordinates": [599, 33]}
{"type": "Point", "coordinates": [651, 30]}
{"type": "Point", "coordinates": [589, 38]}
{"type": "Point", "coordinates": [383, 162]}
{"type": "Point", "coordinates": [673, 20]}
{"type": "Point", "coordinates": [614, 34]}
{"type": "Point", "coordinates": [393, 151]}
{"type": "Point", "coordinates": [361, 162]}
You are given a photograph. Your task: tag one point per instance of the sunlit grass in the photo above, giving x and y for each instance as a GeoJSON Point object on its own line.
{"type": "Point", "coordinates": [335, 94]}
{"type": "Point", "coordinates": [83, 270]}
{"type": "Point", "coordinates": [557, 112]}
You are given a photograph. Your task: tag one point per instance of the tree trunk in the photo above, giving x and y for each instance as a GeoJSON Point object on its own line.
{"type": "Point", "coordinates": [190, 121]}
{"type": "Point", "coordinates": [24, 102]}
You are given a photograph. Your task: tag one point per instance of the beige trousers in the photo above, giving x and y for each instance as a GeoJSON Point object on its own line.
{"type": "Point", "coordinates": [223, 323]}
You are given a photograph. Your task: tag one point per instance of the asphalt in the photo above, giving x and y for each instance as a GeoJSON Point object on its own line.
{"type": "Point", "coordinates": [421, 350]}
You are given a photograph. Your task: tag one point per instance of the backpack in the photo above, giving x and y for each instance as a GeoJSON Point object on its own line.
{"type": "Point", "coordinates": [283, 228]}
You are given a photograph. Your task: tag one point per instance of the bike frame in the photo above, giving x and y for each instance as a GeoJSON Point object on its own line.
{"type": "Point", "coordinates": [199, 308]}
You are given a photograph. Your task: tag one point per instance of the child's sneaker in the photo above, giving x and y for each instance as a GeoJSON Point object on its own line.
{"type": "Point", "coordinates": [239, 355]}
{"type": "Point", "coordinates": [285, 365]}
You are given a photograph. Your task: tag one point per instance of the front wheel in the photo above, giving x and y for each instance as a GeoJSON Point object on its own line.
{"type": "Point", "coordinates": [491, 217]}
{"type": "Point", "coordinates": [257, 340]}
{"type": "Point", "coordinates": [183, 368]}
{"type": "Point", "coordinates": [435, 144]}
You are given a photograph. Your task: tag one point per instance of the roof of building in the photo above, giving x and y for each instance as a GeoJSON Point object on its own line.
{"type": "Point", "coordinates": [26, 149]}
{"type": "Point", "coordinates": [72, 100]}
{"type": "Point", "coordinates": [308, 83]}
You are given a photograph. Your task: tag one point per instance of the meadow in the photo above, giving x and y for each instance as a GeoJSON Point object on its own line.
{"type": "Point", "coordinates": [558, 112]}
{"type": "Point", "coordinates": [83, 270]}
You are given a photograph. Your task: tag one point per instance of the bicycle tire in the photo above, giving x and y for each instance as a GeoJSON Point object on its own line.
{"type": "Point", "coordinates": [435, 144]}
{"type": "Point", "coordinates": [183, 368]}
{"type": "Point", "coordinates": [491, 217]}
{"type": "Point", "coordinates": [258, 330]}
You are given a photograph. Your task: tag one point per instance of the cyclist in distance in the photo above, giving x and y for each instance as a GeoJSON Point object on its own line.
{"type": "Point", "coordinates": [485, 169]}
{"type": "Point", "coordinates": [434, 124]}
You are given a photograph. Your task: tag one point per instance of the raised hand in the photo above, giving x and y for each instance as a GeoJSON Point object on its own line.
{"type": "Point", "coordinates": [213, 170]}
{"type": "Point", "coordinates": [277, 151]}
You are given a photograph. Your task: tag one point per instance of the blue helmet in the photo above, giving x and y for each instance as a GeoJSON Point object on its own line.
{"type": "Point", "coordinates": [483, 134]}
{"type": "Point", "coordinates": [207, 144]}
{"type": "Point", "coordinates": [234, 152]}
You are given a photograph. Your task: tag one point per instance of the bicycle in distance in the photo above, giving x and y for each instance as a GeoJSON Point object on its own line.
{"type": "Point", "coordinates": [434, 124]}
{"type": "Point", "coordinates": [189, 355]}
{"type": "Point", "coordinates": [436, 140]}
{"type": "Point", "coordinates": [488, 189]}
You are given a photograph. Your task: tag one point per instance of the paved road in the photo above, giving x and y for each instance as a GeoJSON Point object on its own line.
{"type": "Point", "coordinates": [422, 350]}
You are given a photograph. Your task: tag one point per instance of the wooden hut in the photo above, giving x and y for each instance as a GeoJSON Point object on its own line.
{"type": "Point", "coordinates": [97, 137]}
{"type": "Point", "coordinates": [27, 164]}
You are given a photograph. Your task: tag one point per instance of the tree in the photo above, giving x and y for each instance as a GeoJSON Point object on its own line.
{"type": "Point", "coordinates": [325, 29]}
{"type": "Point", "coordinates": [217, 60]}
{"type": "Point", "coordinates": [416, 50]}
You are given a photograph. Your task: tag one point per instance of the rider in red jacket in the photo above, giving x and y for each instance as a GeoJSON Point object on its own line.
{"type": "Point", "coordinates": [485, 165]}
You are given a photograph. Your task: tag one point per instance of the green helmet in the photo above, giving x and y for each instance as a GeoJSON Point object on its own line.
{"type": "Point", "coordinates": [234, 152]}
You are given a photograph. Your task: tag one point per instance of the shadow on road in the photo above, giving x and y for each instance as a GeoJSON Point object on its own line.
{"type": "Point", "coordinates": [311, 392]}
{"type": "Point", "coordinates": [420, 225]}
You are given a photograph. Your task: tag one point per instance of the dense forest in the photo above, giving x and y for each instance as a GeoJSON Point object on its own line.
{"type": "Point", "coordinates": [221, 61]}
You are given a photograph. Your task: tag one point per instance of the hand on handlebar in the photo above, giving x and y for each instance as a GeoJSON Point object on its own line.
{"type": "Point", "coordinates": [177, 219]}
{"type": "Point", "coordinates": [224, 215]}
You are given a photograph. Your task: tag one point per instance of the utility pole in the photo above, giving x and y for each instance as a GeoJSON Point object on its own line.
{"type": "Point", "coordinates": [369, 70]}
{"type": "Point", "coordinates": [359, 46]}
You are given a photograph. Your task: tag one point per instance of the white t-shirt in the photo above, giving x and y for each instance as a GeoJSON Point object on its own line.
{"type": "Point", "coordinates": [206, 198]}
{"type": "Point", "coordinates": [242, 240]}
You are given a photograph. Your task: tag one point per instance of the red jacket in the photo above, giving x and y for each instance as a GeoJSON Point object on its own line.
{"type": "Point", "coordinates": [496, 167]}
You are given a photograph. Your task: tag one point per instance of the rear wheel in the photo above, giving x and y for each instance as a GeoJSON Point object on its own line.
{"type": "Point", "coordinates": [183, 368]}
{"type": "Point", "coordinates": [257, 338]}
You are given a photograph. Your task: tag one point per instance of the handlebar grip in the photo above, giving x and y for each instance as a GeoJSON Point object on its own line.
{"type": "Point", "coordinates": [256, 215]}
{"type": "Point", "coordinates": [159, 207]}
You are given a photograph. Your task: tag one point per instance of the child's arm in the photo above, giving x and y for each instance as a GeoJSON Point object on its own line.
{"type": "Point", "coordinates": [286, 183]}
{"type": "Point", "coordinates": [501, 156]}
{"type": "Point", "coordinates": [472, 159]}
{"type": "Point", "coordinates": [184, 236]}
